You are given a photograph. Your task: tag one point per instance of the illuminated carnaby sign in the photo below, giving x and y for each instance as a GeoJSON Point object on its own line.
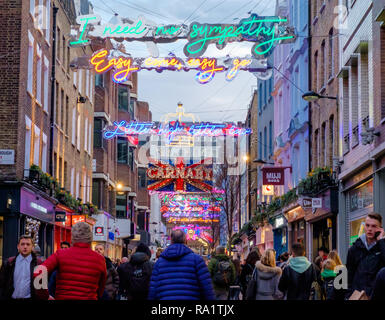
{"type": "Point", "coordinates": [103, 61]}
{"type": "Point", "coordinates": [173, 129]}
{"type": "Point", "coordinates": [265, 32]}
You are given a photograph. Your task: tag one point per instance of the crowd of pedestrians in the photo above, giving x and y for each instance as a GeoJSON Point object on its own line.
{"type": "Point", "coordinates": [77, 272]}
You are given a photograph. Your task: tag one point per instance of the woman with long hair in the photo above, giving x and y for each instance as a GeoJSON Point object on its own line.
{"type": "Point", "coordinates": [267, 275]}
{"type": "Point", "coordinates": [335, 257]}
{"type": "Point", "coordinates": [248, 269]}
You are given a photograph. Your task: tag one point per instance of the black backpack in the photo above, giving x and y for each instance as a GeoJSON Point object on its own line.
{"type": "Point", "coordinates": [223, 273]}
{"type": "Point", "coordinates": [139, 276]}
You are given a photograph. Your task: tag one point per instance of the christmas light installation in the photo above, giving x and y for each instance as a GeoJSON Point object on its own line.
{"type": "Point", "coordinates": [193, 232]}
{"type": "Point", "coordinates": [123, 65]}
{"type": "Point", "coordinates": [196, 177]}
{"type": "Point", "coordinates": [173, 129]}
{"type": "Point", "coordinates": [265, 32]}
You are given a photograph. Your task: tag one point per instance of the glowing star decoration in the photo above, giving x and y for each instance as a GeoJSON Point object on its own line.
{"type": "Point", "coordinates": [265, 32]}
{"type": "Point", "coordinates": [195, 177]}
{"type": "Point", "coordinates": [123, 65]}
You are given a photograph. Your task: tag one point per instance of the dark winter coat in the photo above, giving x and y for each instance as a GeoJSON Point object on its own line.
{"type": "Point", "coordinates": [180, 274]}
{"type": "Point", "coordinates": [246, 275]}
{"type": "Point", "coordinates": [112, 282]}
{"type": "Point", "coordinates": [6, 276]}
{"type": "Point", "coordinates": [213, 267]}
{"type": "Point", "coordinates": [81, 273]}
{"type": "Point", "coordinates": [138, 261]}
{"type": "Point", "coordinates": [363, 266]}
{"type": "Point", "coordinates": [297, 286]}
{"type": "Point", "coordinates": [267, 282]}
{"type": "Point", "coordinates": [379, 286]}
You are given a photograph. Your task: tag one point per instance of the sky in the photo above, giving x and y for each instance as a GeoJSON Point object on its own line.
{"type": "Point", "coordinates": [216, 101]}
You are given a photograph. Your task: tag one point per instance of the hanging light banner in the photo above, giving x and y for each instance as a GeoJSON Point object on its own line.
{"type": "Point", "coordinates": [193, 232]}
{"type": "Point", "coordinates": [183, 177]}
{"type": "Point", "coordinates": [273, 176]}
{"type": "Point", "coordinates": [173, 129]}
{"type": "Point", "coordinates": [265, 32]}
{"type": "Point", "coordinates": [123, 65]}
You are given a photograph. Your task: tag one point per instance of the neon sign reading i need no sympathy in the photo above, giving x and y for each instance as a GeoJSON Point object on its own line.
{"type": "Point", "coordinates": [265, 32]}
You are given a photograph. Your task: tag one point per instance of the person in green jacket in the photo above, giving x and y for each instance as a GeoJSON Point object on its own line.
{"type": "Point", "coordinates": [223, 274]}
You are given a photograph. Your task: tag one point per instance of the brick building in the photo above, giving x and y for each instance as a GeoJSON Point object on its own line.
{"type": "Point", "coordinates": [324, 57]}
{"type": "Point", "coordinates": [362, 176]}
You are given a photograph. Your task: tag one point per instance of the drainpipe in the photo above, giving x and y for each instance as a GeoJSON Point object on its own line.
{"type": "Point", "coordinates": [310, 83]}
{"type": "Point", "coordinates": [53, 84]}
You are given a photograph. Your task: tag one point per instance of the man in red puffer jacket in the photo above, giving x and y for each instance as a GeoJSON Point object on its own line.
{"type": "Point", "coordinates": [81, 272]}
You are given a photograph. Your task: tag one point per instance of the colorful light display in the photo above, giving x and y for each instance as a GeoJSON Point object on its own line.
{"type": "Point", "coordinates": [173, 129]}
{"type": "Point", "coordinates": [180, 177]}
{"type": "Point", "coordinates": [265, 32]}
{"type": "Point", "coordinates": [103, 61]}
{"type": "Point", "coordinates": [194, 232]}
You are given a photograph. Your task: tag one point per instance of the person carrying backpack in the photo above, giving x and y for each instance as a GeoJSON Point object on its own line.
{"type": "Point", "coordinates": [222, 271]}
{"type": "Point", "coordinates": [136, 274]}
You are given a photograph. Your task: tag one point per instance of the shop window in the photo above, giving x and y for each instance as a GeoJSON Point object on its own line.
{"type": "Point", "coordinates": [356, 230]}
{"type": "Point", "coordinates": [360, 197]}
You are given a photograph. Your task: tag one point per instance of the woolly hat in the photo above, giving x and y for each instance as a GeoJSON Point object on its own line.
{"type": "Point", "coordinates": [143, 248]}
{"type": "Point", "coordinates": [81, 232]}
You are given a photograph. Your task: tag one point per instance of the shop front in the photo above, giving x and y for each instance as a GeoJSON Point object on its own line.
{"type": "Point", "coordinates": [63, 225]}
{"type": "Point", "coordinates": [265, 238]}
{"type": "Point", "coordinates": [296, 226]}
{"type": "Point", "coordinates": [279, 224]}
{"type": "Point", "coordinates": [322, 222]}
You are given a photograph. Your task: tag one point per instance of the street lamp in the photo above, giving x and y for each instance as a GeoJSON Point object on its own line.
{"type": "Point", "coordinates": [119, 186]}
{"type": "Point", "coordinates": [312, 96]}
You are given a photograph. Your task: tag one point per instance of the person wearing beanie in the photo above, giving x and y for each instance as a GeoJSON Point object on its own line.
{"type": "Point", "coordinates": [81, 272]}
{"type": "Point", "coordinates": [135, 275]}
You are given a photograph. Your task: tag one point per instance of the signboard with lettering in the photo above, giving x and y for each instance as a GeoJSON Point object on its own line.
{"type": "Point", "coordinates": [316, 203]}
{"type": "Point", "coordinates": [268, 190]}
{"type": "Point", "coordinates": [78, 218]}
{"type": "Point", "coordinates": [273, 176]}
{"type": "Point", "coordinates": [7, 156]}
{"type": "Point", "coordinates": [60, 216]}
{"type": "Point", "coordinates": [307, 203]}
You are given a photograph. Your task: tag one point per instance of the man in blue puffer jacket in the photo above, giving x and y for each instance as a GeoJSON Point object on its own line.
{"type": "Point", "coordinates": [180, 274]}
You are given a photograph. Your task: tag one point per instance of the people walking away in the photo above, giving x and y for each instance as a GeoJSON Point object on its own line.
{"type": "Point", "coordinates": [267, 276]}
{"type": "Point", "coordinates": [283, 260]}
{"type": "Point", "coordinates": [112, 283]}
{"type": "Point", "coordinates": [180, 274]}
{"type": "Point", "coordinates": [16, 281]}
{"type": "Point", "coordinates": [379, 286]}
{"type": "Point", "coordinates": [299, 275]}
{"type": "Point", "coordinates": [366, 257]}
{"type": "Point", "coordinates": [136, 274]}
{"type": "Point", "coordinates": [335, 257]}
{"type": "Point", "coordinates": [318, 262]}
{"type": "Point", "coordinates": [222, 272]}
{"type": "Point", "coordinates": [248, 269]}
{"type": "Point", "coordinates": [81, 272]}
{"type": "Point", "coordinates": [328, 276]}
{"type": "Point", "coordinates": [235, 288]}
{"type": "Point", "coordinates": [124, 260]}
{"type": "Point", "coordinates": [52, 278]}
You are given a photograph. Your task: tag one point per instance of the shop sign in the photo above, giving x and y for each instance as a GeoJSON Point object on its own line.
{"type": "Point", "coordinates": [78, 218]}
{"type": "Point", "coordinates": [60, 216]}
{"type": "Point", "coordinates": [316, 203]}
{"type": "Point", "coordinates": [268, 190]}
{"type": "Point", "coordinates": [279, 222]}
{"type": "Point", "coordinates": [273, 176]}
{"type": "Point", "coordinates": [307, 203]}
{"type": "Point", "coordinates": [99, 231]}
{"type": "Point", "coordinates": [7, 156]}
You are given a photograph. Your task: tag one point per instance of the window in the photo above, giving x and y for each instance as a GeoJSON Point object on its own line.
{"type": "Point", "coordinates": [65, 178]}
{"type": "Point", "coordinates": [72, 181]}
{"type": "Point", "coordinates": [331, 53]}
{"type": "Point", "coordinates": [98, 135]}
{"type": "Point", "coordinates": [77, 185]}
{"type": "Point", "coordinates": [142, 182]}
{"type": "Point", "coordinates": [122, 98]}
{"type": "Point", "coordinates": [58, 43]}
{"type": "Point", "coordinates": [131, 157]}
{"type": "Point", "coordinates": [44, 154]}
{"type": "Point", "coordinates": [323, 144]}
{"type": "Point", "coordinates": [331, 138]}
{"type": "Point", "coordinates": [265, 143]}
{"type": "Point", "coordinates": [27, 150]}
{"type": "Point", "coordinates": [78, 133]}
{"type": "Point", "coordinates": [64, 51]}
{"type": "Point", "coordinates": [48, 20]}
{"type": "Point", "coordinates": [99, 80]}
{"type": "Point", "coordinates": [88, 83]}
{"type": "Point", "coordinates": [62, 109]}
{"type": "Point", "coordinates": [36, 146]}
{"type": "Point", "coordinates": [270, 138]}
{"type": "Point", "coordinates": [32, 7]}
{"type": "Point", "coordinates": [67, 115]}
{"type": "Point", "coordinates": [316, 147]}
{"type": "Point", "coordinates": [88, 189]}
{"type": "Point", "coordinates": [75, 78]}
{"type": "Point", "coordinates": [122, 150]}
{"type": "Point", "coordinates": [73, 126]}
{"type": "Point", "coordinates": [80, 81]}
{"type": "Point", "coordinates": [30, 62]}
{"type": "Point", "coordinates": [121, 205]}
{"type": "Point", "coordinates": [96, 193]}
{"type": "Point", "coordinates": [260, 145]}
{"type": "Point", "coordinates": [323, 66]}
{"type": "Point", "coordinates": [46, 83]}
{"type": "Point", "coordinates": [89, 138]}
{"type": "Point", "coordinates": [57, 96]}
{"type": "Point", "coordinates": [86, 135]}
{"type": "Point", "coordinates": [316, 74]}
{"type": "Point", "coordinates": [132, 109]}
{"type": "Point", "coordinates": [84, 188]}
